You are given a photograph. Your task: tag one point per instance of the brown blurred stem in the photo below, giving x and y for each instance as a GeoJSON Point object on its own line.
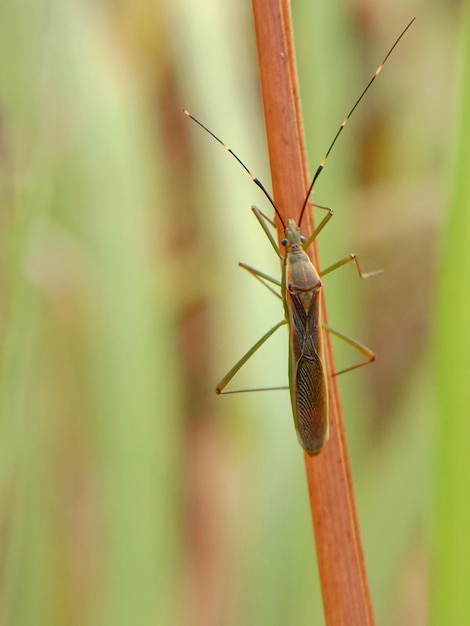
{"type": "Point", "coordinates": [345, 589]}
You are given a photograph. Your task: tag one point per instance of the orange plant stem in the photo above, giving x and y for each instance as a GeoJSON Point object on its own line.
{"type": "Point", "coordinates": [345, 589]}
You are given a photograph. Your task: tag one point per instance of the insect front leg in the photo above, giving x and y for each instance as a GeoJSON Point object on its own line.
{"type": "Point", "coordinates": [320, 226]}
{"type": "Point", "coordinates": [264, 221]}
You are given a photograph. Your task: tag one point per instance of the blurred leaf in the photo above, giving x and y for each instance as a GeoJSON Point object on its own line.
{"type": "Point", "coordinates": [88, 416]}
{"type": "Point", "coordinates": [451, 546]}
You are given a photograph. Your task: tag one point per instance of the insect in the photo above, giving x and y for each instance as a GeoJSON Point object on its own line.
{"type": "Point", "coordinates": [300, 292]}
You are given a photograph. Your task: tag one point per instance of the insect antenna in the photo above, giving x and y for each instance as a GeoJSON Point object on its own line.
{"type": "Point", "coordinates": [346, 120]}
{"type": "Point", "coordinates": [252, 176]}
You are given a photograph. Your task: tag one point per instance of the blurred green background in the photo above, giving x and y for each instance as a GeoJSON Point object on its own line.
{"type": "Point", "coordinates": [130, 493]}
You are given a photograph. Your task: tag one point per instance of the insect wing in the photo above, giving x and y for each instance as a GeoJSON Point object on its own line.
{"type": "Point", "coordinates": [309, 393]}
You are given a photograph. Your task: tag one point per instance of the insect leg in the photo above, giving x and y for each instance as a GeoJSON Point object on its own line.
{"type": "Point", "coordinates": [263, 278]}
{"type": "Point", "coordinates": [320, 226]}
{"type": "Point", "coordinates": [370, 356]}
{"type": "Point", "coordinates": [263, 220]}
{"type": "Point", "coordinates": [228, 377]}
{"type": "Point", "coordinates": [345, 261]}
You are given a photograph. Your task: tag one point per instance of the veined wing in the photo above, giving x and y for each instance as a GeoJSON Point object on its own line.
{"type": "Point", "coordinates": [309, 394]}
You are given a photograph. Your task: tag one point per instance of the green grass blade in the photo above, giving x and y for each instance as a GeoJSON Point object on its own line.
{"type": "Point", "coordinates": [451, 548]}
{"type": "Point", "coordinates": [88, 416]}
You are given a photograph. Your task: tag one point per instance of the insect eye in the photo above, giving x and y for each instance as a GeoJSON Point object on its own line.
{"type": "Point", "coordinates": [284, 242]}
{"type": "Point", "coordinates": [302, 239]}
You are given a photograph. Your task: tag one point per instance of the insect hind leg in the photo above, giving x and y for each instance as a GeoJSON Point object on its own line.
{"type": "Point", "coordinates": [237, 367]}
{"type": "Point", "coordinates": [364, 350]}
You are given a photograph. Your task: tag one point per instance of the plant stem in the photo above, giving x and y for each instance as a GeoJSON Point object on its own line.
{"type": "Point", "coordinates": [345, 589]}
